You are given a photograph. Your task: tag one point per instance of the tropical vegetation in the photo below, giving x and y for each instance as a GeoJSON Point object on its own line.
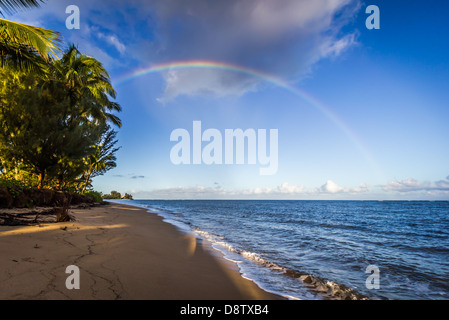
{"type": "Point", "coordinates": [114, 195]}
{"type": "Point", "coordinates": [54, 130]}
{"type": "Point", "coordinates": [57, 114]}
{"type": "Point", "coordinates": [23, 46]}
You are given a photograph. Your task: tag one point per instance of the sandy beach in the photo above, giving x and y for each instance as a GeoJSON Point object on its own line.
{"type": "Point", "coordinates": [122, 252]}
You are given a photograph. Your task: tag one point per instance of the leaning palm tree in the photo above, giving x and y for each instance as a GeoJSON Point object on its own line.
{"type": "Point", "coordinates": [22, 46]}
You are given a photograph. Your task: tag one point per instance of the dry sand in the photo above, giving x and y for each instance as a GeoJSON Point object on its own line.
{"type": "Point", "coordinates": [122, 252]}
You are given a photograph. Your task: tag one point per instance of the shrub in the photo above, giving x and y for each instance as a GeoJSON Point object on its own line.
{"type": "Point", "coordinates": [15, 187]}
{"type": "Point", "coordinates": [97, 196]}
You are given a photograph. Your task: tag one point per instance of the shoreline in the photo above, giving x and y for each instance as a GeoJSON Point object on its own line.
{"type": "Point", "coordinates": [123, 252]}
{"type": "Point", "coordinates": [212, 249]}
{"type": "Point", "coordinates": [314, 287]}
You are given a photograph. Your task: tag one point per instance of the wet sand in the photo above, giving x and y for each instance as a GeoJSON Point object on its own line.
{"type": "Point", "coordinates": [122, 252]}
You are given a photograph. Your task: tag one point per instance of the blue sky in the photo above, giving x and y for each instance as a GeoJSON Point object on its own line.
{"type": "Point", "coordinates": [376, 127]}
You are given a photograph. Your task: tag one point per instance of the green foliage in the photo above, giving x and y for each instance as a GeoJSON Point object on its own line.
{"type": "Point", "coordinates": [15, 187]}
{"type": "Point", "coordinates": [102, 158]}
{"type": "Point", "coordinates": [24, 47]}
{"type": "Point", "coordinates": [97, 196]}
{"type": "Point", "coordinates": [114, 195]}
{"type": "Point", "coordinates": [43, 41]}
{"type": "Point", "coordinates": [54, 113]}
{"type": "Point", "coordinates": [54, 130]}
{"type": "Point", "coordinates": [87, 85]}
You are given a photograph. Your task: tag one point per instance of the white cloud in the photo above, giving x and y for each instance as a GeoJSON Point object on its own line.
{"type": "Point", "coordinates": [409, 189]}
{"type": "Point", "coordinates": [282, 38]}
{"type": "Point", "coordinates": [404, 185]}
{"type": "Point", "coordinates": [284, 191]}
{"type": "Point", "coordinates": [114, 41]}
{"type": "Point", "coordinates": [330, 47]}
{"type": "Point", "coordinates": [442, 185]}
{"type": "Point", "coordinates": [413, 185]}
{"type": "Point", "coordinates": [86, 47]}
{"type": "Point", "coordinates": [271, 19]}
{"type": "Point", "coordinates": [290, 189]}
{"type": "Point", "coordinates": [331, 187]}
{"type": "Point", "coordinates": [205, 82]}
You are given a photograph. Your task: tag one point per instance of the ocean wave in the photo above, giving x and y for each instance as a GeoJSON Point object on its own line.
{"type": "Point", "coordinates": [327, 289]}
{"type": "Point", "coordinates": [295, 248]}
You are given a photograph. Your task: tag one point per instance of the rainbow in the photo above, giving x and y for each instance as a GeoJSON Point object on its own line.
{"type": "Point", "coordinates": [207, 64]}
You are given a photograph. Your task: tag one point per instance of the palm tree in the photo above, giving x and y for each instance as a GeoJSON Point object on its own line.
{"type": "Point", "coordinates": [22, 46]}
{"type": "Point", "coordinates": [88, 84]}
{"type": "Point", "coordinates": [102, 158]}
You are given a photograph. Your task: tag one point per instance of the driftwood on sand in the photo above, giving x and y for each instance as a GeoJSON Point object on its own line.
{"type": "Point", "coordinates": [38, 215]}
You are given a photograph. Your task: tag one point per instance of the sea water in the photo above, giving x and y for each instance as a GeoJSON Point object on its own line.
{"type": "Point", "coordinates": [273, 242]}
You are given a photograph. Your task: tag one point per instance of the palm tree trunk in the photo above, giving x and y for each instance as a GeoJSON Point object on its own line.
{"type": "Point", "coordinates": [40, 185]}
{"type": "Point", "coordinates": [87, 181]}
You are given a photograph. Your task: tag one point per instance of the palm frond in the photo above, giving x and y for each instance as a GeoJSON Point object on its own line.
{"type": "Point", "coordinates": [11, 6]}
{"type": "Point", "coordinates": [45, 42]}
{"type": "Point", "coordinates": [114, 119]}
{"type": "Point", "coordinates": [20, 57]}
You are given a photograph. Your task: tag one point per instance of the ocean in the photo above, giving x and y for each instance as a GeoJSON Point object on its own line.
{"type": "Point", "coordinates": [306, 249]}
